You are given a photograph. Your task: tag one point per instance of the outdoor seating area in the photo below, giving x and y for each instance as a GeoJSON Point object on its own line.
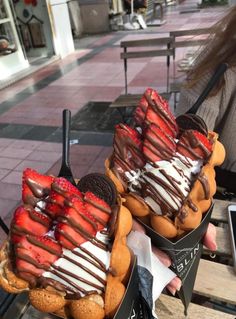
{"type": "Point", "coordinates": [167, 49]}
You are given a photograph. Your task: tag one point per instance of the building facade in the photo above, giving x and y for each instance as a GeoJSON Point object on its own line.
{"type": "Point", "coordinates": [31, 30]}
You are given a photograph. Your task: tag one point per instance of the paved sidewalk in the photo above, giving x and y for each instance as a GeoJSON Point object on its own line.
{"type": "Point", "coordinates": [31, 109]}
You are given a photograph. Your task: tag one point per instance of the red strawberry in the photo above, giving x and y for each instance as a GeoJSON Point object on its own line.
{"type": "Point", "coordinates": [148, 97]}
{"type": "Point", "coordinates": [158, 145]}
{"type": "Point", "coordinates": [161, 116]}
{"type": "Point", "coordinates": [194, 145]}
{"type": "Point", "coordinates": [40, 252]}
{"type": "Point", "coordinates": [35, 186]}
{"type": "Point", "coordinates": [128, 146]}
{"type": "Point", "coordinates": [68, 237]}
{"type": "Point", "coordinates": [28, 221]}
{"type": "Point", "coordinates": [77, 216]}
{"type": "Point", "coordinates": [28, 271]}
{"type": "Point", "coordinates": [63, 187]}
{"type": "Point", "coordinates": [55, 204]}
{"type": "Point", "coordinates": [79, 225]}
{"type": "Point", "coordinates": [98, 208]}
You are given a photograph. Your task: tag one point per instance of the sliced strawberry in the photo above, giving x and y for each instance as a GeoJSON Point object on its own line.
{"type": "Point", "coordinates": [68, 237]}
{"type": "Point", "coordinates": [194, 145]}
{"type": "Point", "coordinates": [63, 187]}
{"type": "Point", "coordinates": [27, 271]}
{"type": "Point", "coordinates": [161, 116]}
{"type": "Point", "coordinates": [77, 203]}
{"type": "Point", "coordinates": [152, 108]}
{"type": "Point", "coordinates": [35, 186]}
{"type": "Point", "coordinates": [128, 146]}
{"type": "Point", "coordinates": [39, 251]}
{"type": "Point", "coordinates": [157, 144]}
{"type": "Point", "coordinates": [140, 112]}
{"type": "Point", "coordinates": [78, 217]}
{"type": "Point", "coordinates": [98, 208]}
{"type": "Point", "coordinates": [28, 221]}
{"type": "Point", "coordinates": [55, 204]}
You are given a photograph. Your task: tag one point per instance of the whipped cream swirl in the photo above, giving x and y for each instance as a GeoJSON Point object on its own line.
{"type": "Point", "coordinates": [164, 185]}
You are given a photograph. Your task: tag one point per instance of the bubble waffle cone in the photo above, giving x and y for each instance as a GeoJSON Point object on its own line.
{"type": "Point", "coordinates": [166, 166]}
{"type": "Point", "coordinates": [119, 185]}
{"type": "Point", "coordinates": [19, 269]}
{"type": "Point", "coordinates": [197, 198]}
{"type": "Point", "coordinates": [204, 188]}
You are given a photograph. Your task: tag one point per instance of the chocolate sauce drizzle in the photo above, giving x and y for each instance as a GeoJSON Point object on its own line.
{"type": "Point", "coordinates": [158, 109]}
{"type": "Point", "coordinates": [94, 267]}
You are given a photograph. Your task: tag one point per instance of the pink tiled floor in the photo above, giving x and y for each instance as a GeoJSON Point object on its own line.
{"type": "Point", "coordinates": [100, 78]}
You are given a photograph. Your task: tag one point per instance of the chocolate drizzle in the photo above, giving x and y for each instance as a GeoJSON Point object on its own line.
{"type": "Point", "coordinates": [170, 184]}
{"type": "Point", "coordinates": [205, 184]}
{"type": "Point", "coordinates": [191, 143]}
{"type": "Point", "coordinates": [76, 272]}
{"type": "Point", "coordinates": [38, 192]}
{"type": "Point", "coordinates": [159, 109]}
{"type": "Point", "coordinates": [60, 272]}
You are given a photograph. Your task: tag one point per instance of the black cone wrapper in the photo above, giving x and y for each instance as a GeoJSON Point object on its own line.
{"type": "Point", "coordinates": [185, 255]}
{"type": "Point", "coordinates": [133, 305]}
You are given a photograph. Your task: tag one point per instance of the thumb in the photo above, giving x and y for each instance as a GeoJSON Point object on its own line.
{"type": "Point", "coordinates": [209, 239]}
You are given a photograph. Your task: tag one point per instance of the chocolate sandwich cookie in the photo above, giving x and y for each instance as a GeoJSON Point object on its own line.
{"type": "Point", "coordinates": [191, 122]}
{"type": "Point", "coordinates": [100, 185]}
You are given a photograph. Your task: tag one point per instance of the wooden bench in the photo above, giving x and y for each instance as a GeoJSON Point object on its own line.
{"type": "Point", "coordinates": [136, 49]}
{"type": "Point", "coordinates": [215, 281]}
{"type": "Point", "coordinates": [171, 308]}
{"type": "Point", "coordinates": [125, 101]}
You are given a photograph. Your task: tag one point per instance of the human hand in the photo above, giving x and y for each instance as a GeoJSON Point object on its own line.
{"type": "Point", "coordinates": [209, 241]}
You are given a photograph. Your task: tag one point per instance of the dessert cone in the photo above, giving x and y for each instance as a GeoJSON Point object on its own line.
{"type": "Point", "coordinates": [179, 234]}
{"type": "Point", "coordinates": [119, 281]}
{"type": "Point", "coordinates": [185, 254]}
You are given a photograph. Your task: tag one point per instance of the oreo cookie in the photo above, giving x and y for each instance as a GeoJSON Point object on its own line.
{"type": "Point", "coordinates": [99, 184]}
{"type": "Point", "coordinates": [191, 122]}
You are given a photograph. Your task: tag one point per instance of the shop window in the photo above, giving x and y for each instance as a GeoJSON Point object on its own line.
{"type": "Point", "coordinates": [7, 37]}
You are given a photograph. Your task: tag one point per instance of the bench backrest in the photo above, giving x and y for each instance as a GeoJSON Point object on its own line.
{"type": "Point", "coordinates": [146, 48]}
{"type": "Point", "coordinates": [188, 38]}
{"type": "Point", "coordinates": [184, 39]}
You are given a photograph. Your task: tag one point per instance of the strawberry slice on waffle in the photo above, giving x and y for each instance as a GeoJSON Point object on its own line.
{"type": "Point", "coordinates": [35, 186]}
{"type": "Point", "coordinates": [157, 144]}
{"type": "Point", "coordinates": [141, 109]}
{"type": "Point", "coordinates": [98, 208]}
{"type": "Point", "coordinates": [128, 146]}
{"type": "Point", "coordinates": [160, 115]}
{"type": "Point", "coordinates": [26, 220]}
{"type": "Point", "coordinates": [153, 108]}
{"type": "Point", "coordinates": [61, 190]}
{"type": "Point", "coordinates": [193, 144]}
{"type": "Point", "coordinates": [76, 225]}
{"type": "Point", "coordinates": [35, 254]}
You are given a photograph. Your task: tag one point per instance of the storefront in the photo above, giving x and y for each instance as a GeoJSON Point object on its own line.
{"type": "Point", "coordinates": [34, 27]}
{"type": "Point", "coordinates": [12, 58]}
{"type": "Point", "coordinates": [31, 30]}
